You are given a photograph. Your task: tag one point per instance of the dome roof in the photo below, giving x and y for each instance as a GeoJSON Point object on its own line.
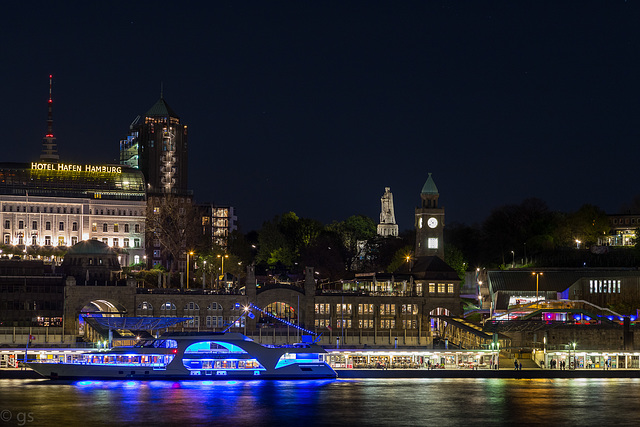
{"type": "Point", "coordinates": [90, 247]}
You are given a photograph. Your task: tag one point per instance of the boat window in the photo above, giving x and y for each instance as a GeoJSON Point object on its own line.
{"type": "Point", "coordinates": [213, 347]}
{"type": "Point", "coordinates": [290, 358]}
{"type": "Point", "coordinates": [165, 344]}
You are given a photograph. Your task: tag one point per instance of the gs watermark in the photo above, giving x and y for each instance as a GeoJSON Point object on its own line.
{"type": "Point", "coordinates": [21, 418]}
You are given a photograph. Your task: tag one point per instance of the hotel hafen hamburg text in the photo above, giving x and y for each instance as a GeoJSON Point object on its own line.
{"type": "Point", "coordinates": [49, 204]}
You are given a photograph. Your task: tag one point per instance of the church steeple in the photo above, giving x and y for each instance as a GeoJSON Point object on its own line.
{"type": "Point", "coordinates": [49, 145]}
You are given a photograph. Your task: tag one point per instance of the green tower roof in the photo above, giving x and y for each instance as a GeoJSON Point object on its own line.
{"type": "Point", "coordinates": [429, 187]}
{"type": "Point", "coordinates": [162, 109]}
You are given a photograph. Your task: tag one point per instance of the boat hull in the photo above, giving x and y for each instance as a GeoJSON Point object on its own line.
{"type": "Point", "coordinates": [87, 372]}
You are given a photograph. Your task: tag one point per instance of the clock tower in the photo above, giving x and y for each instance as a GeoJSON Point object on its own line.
{"type": "Point", "coordinates": [429, 222]}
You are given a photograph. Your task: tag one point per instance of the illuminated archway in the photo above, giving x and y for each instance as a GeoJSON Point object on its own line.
{"type": "Point", "coordinates": [99, 308]}
{"type": "Point", "coordinates": [279, 310]}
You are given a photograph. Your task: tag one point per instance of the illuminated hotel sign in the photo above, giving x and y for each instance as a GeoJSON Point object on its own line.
{"type": "Point", "coordinates": [64, 167]}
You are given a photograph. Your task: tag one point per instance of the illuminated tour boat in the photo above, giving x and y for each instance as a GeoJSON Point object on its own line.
{"type": "Point", "coordinates": [197, 355]}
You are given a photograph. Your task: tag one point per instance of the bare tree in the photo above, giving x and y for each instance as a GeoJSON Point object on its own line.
{"type": "Point", "coordinates": [173, 224]}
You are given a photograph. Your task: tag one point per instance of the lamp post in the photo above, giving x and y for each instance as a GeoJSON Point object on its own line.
{"type": "Point", "coordinates": [513, 259]}
{"type": "Point", "coordinates": [188, 253]}
{"type": "Point", "coordinates": [537, 278]}
{"type": "Point", "coordinates": [222, 258]}
{"type": "Point", "coordinates": [204, 269]}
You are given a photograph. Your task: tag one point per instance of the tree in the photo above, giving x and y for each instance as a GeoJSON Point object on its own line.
{"type": "Point", "coordinates": [588, 224]}
{"type": "Point", "coordinates": [400, 258]}
{"type": "Point", "coordinates": [455, 258]}
{"type": "Point", "coordinates": [173, 224]}
{"type": "Point", "coordinates": [356, 228]}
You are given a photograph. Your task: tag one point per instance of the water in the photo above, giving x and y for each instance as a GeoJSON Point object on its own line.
{"type": "Point", "coordinates": [397, 402]}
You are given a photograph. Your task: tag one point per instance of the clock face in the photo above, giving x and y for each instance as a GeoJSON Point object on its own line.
{"type": "Point", "coordinates": [433, 223]}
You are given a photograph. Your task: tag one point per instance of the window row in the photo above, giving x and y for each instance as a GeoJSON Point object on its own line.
{"type": "Point", "coordinates": [441, 288]}
{"type": "Point", "coordinates": [34, 225]}
{"type": "Point", "coordinates": [120, 212]}
{"type": "Point", "coordinates": [171, 306]}
{"type": "Point", "coordinates": [383, 309]}
{"type": "Point", "coordinates": [38, 209]}
{"type": "Point", "coordinates": [35, 241]}
{"type": "Point", "coordinates": [126, 242]}
{"type": "Point", "coordinates": [604, 286]}
{"type": "Point", "coordinates": [116, 228]}
{"type": "Point", "coordinates": [367, 323]}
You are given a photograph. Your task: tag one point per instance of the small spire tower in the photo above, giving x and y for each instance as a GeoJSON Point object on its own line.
{"type": "Point", "coordinates": [49, 145]}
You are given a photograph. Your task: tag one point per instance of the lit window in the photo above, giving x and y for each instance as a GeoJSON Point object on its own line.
{"type": "Point", "coordinates": [432, 243]}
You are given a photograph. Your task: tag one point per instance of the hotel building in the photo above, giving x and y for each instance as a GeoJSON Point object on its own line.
{"type": "Point", "coordinates": [59, 204]}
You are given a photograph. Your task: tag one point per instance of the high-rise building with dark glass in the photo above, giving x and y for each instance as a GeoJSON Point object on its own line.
{"type": "Point", "coordinates": [157, 145]}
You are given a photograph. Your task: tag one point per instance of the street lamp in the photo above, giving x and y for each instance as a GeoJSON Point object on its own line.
{"type": "Point", "coordinates": [578, 244]}
{"type": "Point", "coordinates": [204, 269]}
{"type": "Point", "coordinates": [222, 258]}
{"type": "Point", "coordinates": [408, 258]}
{"type": "Point", "coordinates": [537, 278]}
{"type": "Point", "coordinates": [188, 253]}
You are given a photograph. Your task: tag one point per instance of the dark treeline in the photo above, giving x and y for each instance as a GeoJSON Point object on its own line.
{"type": "Point", "coordinates": [528, 233]}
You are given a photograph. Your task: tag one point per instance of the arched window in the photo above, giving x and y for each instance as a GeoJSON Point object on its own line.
{"type": "Point", "coordinates": [214, 306]}
{"type": "Point", "coordinates": [191, 306]}
{"type": "Point", "coordinates": [168, 306]}
{"type": "Point", "coordinates": [145, 306]}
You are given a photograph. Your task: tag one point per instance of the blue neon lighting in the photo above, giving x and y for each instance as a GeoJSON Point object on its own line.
{"type": "Point", "coordinates": [281, 320]}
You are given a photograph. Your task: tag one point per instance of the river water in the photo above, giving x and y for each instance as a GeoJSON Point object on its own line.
{"type": "Point", "coordinates": [392, 402]}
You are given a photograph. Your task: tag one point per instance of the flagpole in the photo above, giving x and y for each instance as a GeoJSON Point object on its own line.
{"type": "Point", "coordinates": [26, 350]}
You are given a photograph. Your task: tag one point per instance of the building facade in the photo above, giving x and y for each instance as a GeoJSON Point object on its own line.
{"type": "Point", "coordinates": [157, 145]}
{"type": "Point", "coordinates": [58, 205]}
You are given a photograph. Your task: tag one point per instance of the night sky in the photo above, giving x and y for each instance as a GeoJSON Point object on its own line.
{"type": "Point", "coordinates": [315, 106]}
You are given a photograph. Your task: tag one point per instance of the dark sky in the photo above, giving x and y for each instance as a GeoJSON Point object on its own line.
{"type": "Point", "coordinates": [315, 106]}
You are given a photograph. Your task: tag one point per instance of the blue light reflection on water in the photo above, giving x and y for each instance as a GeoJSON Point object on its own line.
{"type": "Point", "coordinates": [327, 402]}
